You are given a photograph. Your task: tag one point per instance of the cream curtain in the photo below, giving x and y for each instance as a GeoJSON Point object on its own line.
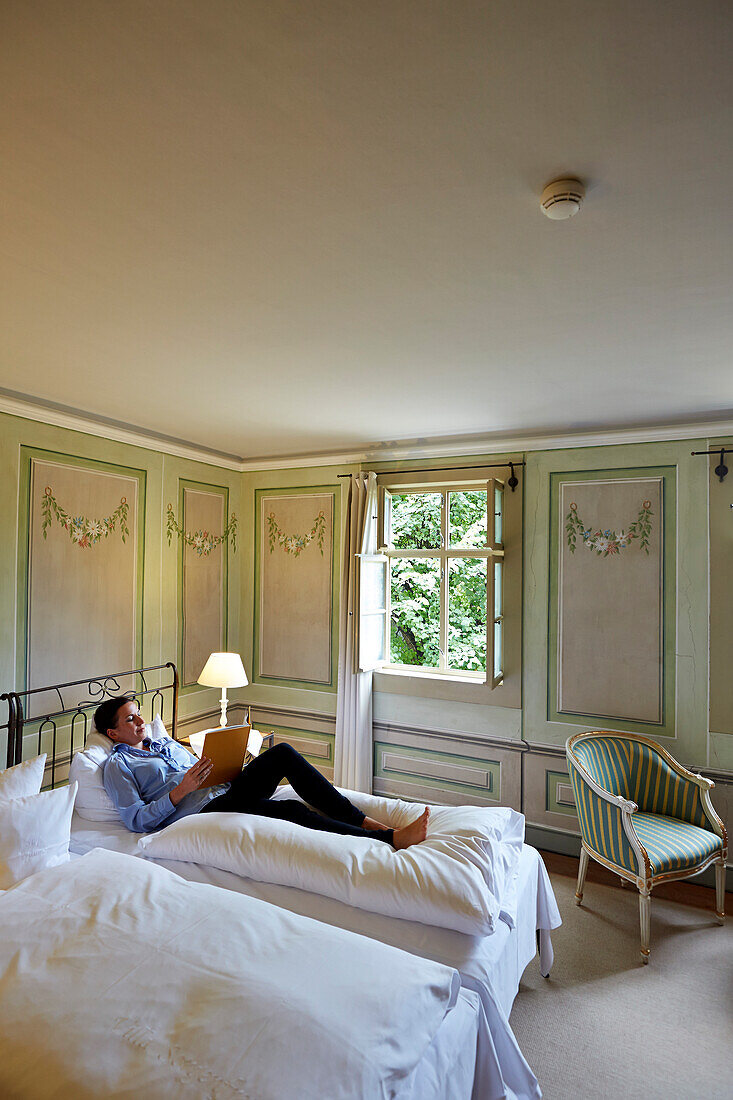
{"type": "Point", "coordinates": [353, 750]}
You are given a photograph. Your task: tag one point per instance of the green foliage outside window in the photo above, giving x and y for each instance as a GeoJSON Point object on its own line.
{"type": "Point", "coordinates": [415, 582]}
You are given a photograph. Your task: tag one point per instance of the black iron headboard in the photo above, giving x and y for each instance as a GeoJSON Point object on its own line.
{"type": "Point", "coordinates": [60, 732]}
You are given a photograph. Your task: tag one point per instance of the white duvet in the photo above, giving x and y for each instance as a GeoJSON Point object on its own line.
{"type": "Point", "coordinates": [119, 979]}
{"type": "Point", "coordinates": [461, 877]}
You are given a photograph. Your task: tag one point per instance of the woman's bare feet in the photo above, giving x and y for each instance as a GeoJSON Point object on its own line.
{"type": "Point", "coordinates": [413, 833]}
{"type": "Point", "coordinates": [370, 823]}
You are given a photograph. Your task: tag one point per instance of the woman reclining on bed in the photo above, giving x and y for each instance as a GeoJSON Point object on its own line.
{"type": "Point", "coordinates": [153, 783]}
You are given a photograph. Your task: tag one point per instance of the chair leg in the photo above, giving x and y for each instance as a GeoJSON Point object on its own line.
{"type": "Point", "coordinates": [720, 892]}
{"type": "Point", "coordinates": [582, 870]}
{"type": "Point", "coordinates": [645, 919]}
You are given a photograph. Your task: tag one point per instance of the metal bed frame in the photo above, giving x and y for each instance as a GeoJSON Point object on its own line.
{"type": "Point", "coordinates": [74, 718]}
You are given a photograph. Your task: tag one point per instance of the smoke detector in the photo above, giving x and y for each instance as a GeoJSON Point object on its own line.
{"type": "Point", "coordinates": [562, 198]}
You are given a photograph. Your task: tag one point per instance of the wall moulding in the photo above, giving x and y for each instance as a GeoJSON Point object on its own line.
{"type": "Point", "coordinates": [611, 629]}
{"type": "Point", "coordinates": [390, 731]}
{"type": "Point", "coordinates": [81, 560]}
{"type": "Point", "coordinates": [290, 716]}
{"type": "Point", "coordinates": [23, 406]}
{"type": "Point", "coordinates": [203, 575]}
{"type": "Point", "coordinates": [295, 636]}
{"type": "Point", "coordinates": [466, 775]}
{"type": "Point", "coordinates": [423, 792]}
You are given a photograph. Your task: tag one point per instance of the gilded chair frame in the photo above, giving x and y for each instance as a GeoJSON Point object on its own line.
{"type": "Point", "coordinates": [644, 879]}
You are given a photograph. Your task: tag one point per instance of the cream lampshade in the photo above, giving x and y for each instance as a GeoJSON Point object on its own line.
{"type": "Point", "coordinates": [224, 670]}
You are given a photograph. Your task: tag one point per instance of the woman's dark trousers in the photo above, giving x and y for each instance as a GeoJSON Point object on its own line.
{"type": "Point", "coordinates": [252, 791]}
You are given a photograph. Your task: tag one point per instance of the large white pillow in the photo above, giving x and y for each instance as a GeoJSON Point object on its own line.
{"type": "Point", "coordinates": [499, 822]}
{"type": "Point", "coordinates": [87, 769]}
{"type": "Point", "coordinates": [449, 880]}
{"type": "Point", "coordinates": [34, 833]}
{"type": "Point", "coordinates": [23, 779]}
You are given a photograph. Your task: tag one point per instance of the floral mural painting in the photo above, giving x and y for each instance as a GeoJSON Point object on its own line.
{"type": "Point", "coordinates": [294, 585]}
{"type": "Point", "coordinates": [203, 542]}
{"type": "Point", "coordinates": [607, 542]}
{"type": "Point", "coordinates": [296, 544]}
{"type": "Point", "coordinates": [84, 532]}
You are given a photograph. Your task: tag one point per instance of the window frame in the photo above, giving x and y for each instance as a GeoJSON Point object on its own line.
{"type": "Point", "coordinates": [493, 552]}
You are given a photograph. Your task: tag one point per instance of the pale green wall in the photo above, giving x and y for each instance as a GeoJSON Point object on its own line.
{"type": "Point", "coordinates": [496, 753]}
{"type": "Point", "coordinates": [493, 752]}
{"type": "Point", "coordinates": [689, 730]}
{"type": "Point", "coordinates": [160, 581]}
{"type": "Point", "coordinates": [263, 694]}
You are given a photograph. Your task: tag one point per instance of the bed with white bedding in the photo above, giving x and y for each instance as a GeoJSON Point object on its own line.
{"type": "Point", "coordinates": [119, 979]}
{"type": "Point", "coordinates": [489, 965]}
{"type": "Point", "coordinates": [521, 907]}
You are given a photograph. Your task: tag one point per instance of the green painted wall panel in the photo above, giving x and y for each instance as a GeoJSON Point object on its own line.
{"type": "Point", "coordinates": [688, 739]}
{"type": "Point", "coordinates": [441, 760]}
{"type": "Point", "coordinates": [158, 574]}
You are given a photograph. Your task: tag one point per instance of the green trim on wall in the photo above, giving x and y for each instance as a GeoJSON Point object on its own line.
{"type": "Point", "coordinates": [27, 455]}
{"type": "Point", "coordinates": [493, 767]}
{"type": "Point", "coordinates": [668, 489]}
{"type": "Point", "coordinates": [551, 803]}
{"type": "Point", "coordinates": [217, 490]}
{"type": "Point", "coordinates": [284, 733]}
{"type": "Point", "coordinates": [312, 685]}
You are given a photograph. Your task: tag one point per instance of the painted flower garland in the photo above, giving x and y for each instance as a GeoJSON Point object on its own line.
{"type": "Point", "coordinates": [203, 542]}
{"type": "Point", "coordinates": [609, 542]}
{"type": "Point", "coordinates": [296, 544]}
{"type": "Point", "coordinates": [84, 532]}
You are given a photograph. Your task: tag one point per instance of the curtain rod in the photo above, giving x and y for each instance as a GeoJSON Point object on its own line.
{"type": "Point", "coordinates": [721, 469]}
{"type": "Point", "coordinates": [448, 469]}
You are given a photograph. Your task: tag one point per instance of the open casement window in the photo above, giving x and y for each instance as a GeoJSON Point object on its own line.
{"type": "Point", "coordinates": [371, 641]}
{"type": "Point", "coordinates": [440, 580]}
{"type": "Point", "coordinates": [495, 594]}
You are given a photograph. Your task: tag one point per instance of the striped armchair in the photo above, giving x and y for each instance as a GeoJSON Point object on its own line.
{"type": "Point", "coordinates": [643, 816]}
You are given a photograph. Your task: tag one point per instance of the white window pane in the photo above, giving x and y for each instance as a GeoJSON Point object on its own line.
{"type": "Point", "coordinates": [498, 649]}
{"type": "Point", "coordinates": [371, 640]}
{"type": "Point", "coordinates": [467, 614]}
{"type": "Point", "coordinates": [415, 612]}
{"type": "Point", "coordinates": [467, 518]}
{"type": "Point", "coordinates": [498, 589]}
{"type": "Point", "coordinates": [372, 613]}
{"type": "Point", "coordinates": [373, 581]}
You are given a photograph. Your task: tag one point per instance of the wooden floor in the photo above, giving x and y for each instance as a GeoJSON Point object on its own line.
{"type": "Point", "coordinates": [685, 892]}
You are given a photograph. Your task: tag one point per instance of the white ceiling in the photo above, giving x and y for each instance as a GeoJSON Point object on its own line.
{"type": "Point", "coordinates": [276, 228]}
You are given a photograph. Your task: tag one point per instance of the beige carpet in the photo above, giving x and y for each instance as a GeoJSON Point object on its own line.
{"type": "Point", "coordinates": [603, 1025]}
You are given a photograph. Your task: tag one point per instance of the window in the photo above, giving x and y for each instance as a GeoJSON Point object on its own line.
{"type": "Point", "coordinates": [433, 602]}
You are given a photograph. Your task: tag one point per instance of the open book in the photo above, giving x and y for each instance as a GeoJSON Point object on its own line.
{"type": "Point", "coordinates": [227, 748]}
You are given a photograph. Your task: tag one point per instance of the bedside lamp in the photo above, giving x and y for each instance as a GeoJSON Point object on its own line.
{"type": "Point", "coordinates": [224, 670]}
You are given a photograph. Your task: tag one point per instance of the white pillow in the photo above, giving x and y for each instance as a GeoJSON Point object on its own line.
{"type": "Point", "coordinates": [498, 822]}
{"type": "Point", "coordinates": [87, 769]}
{"type": "Point", "coordinates": [34, 833]}
{"type": "Point", "coordinates": [23, 779]}
{"type": "Point", "coordinates": [454, 879]}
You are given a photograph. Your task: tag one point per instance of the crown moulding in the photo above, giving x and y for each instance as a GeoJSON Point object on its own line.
{"type": "Point", "coordinates": [458, 447]}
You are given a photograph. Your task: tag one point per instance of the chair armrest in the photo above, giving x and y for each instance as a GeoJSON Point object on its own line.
{"type": "Point", "coordinates": [709, 811]}
{"type": "Point", "coordinates": [705, 786]}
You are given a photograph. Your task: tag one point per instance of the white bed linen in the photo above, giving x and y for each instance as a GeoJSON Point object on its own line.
{"type": "Point", "coordinates": [483, 961]}
{"type": "Point", "coordinates": [266, 1003]}
{"type": "Point", "coordinates": [454, 879]}
{"type": "Point", "coordinates": [490, 965]}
